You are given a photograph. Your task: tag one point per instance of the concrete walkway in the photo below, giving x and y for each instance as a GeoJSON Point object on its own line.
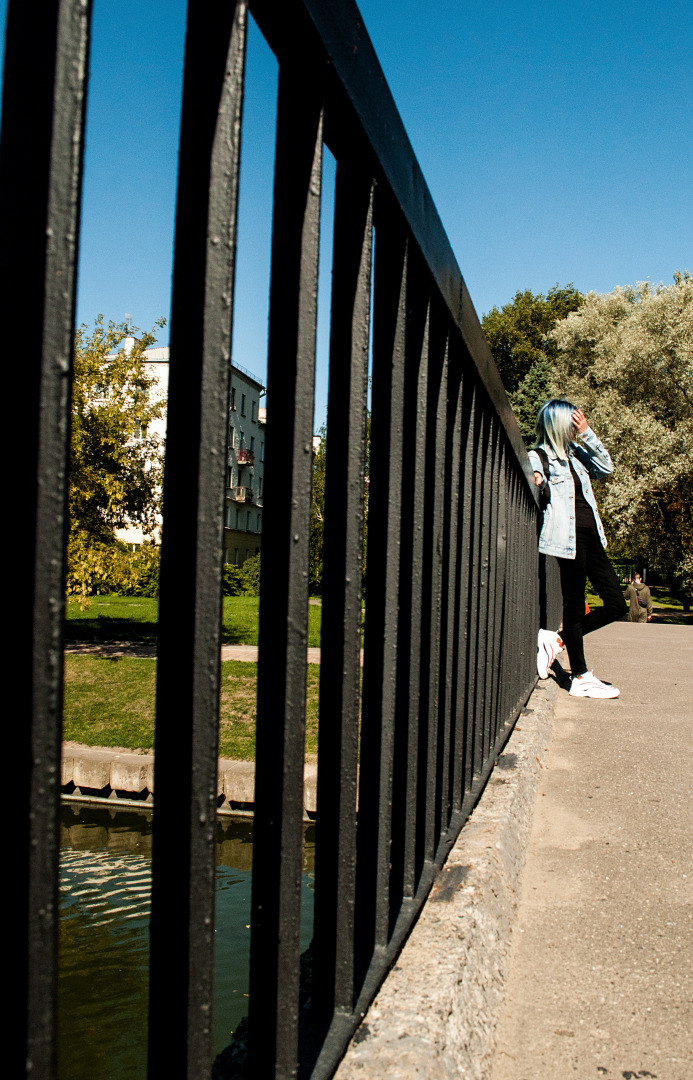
{"type": "Point", "coordinates": [600, 974]}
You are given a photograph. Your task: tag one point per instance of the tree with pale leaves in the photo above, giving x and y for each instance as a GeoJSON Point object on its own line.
{"type": "Point", "coordinates": [116, 458]}
{"type": "Point", "coordinates": [626, 358]}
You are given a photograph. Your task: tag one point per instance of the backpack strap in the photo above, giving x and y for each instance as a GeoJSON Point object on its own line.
{"type": "Point", "coordinates": [544, 459]}
{"type": "Point", "coordinates": [545, 491]}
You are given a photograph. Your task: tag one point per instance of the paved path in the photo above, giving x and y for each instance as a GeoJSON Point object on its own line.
{"type": "Point", "coordinates": [146, 650]}
{"type": "Point", "coordinates": [601, 973]}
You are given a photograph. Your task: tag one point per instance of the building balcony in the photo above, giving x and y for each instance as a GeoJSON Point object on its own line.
{"type": "Point", "coordinates": [244, 457]}
{"type": "Point", "coordinates": [244, 494]}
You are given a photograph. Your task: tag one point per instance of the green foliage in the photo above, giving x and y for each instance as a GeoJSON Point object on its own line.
{"type": "Point", "coordinates": [517, 334]}
{"type": "Point", "coordinates": [317, 515]}
{"type": "Point", "coordinates": [232, 582]}
{"type": "Point", "coordinates": [626, 358]}
{"type": "Point", "coordinates": [317, 512]}
{"type": "Point", "coordinates": [250, 575]}
{"type": "Point", "coordinates": [98, 567]}
{"type": "Point", "coordinates": [242, 580]}
{"type": "Point", "coordinates": [115, 459]}
{"type": "Point", "coordinates": [531, 394]}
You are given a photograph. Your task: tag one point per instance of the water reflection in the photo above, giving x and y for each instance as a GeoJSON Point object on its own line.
{"type": "Point", "coordinates": [104, 938]}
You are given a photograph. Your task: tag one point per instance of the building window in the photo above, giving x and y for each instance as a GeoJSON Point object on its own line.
{"type": "Point", "coordinates": [232, 435]}
{"type": "Point", "coordinates": [228, 516]}
{"type": "Point", "coordinates": [247, 521]}
{"type": "Point", "coordinates": [261, 485]}
{"type": "Point", "coordinates": [233, 397]}
{"type": "Point", "coordinates": [139, 431]}
{"type": "Point", "coordinates": [229, 478]}
{"type": "Point", "coordinates": [253, 411]}
{"type": "Point", "coordinates": [235, 556]}
{"type": "Point", "coordinates": [252, 444]}
{"type": "Point", "coordinates": [262, 451]}
{"type": "Point", "coordinates": [259, 523]}
{"type": "Point", "coordinates": [242, 404]}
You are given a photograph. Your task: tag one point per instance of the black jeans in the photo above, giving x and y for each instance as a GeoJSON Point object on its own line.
{"type": "Point", "coordinates": [590, 561]}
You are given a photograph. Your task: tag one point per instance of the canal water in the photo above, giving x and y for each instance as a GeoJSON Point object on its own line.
{"type": "Point", "coordinates": [105, 879]}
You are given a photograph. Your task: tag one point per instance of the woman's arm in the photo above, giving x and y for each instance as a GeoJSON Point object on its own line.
{"type": "Point", "coordinates": [591, 453]}
{"type": "Point", "coordinates": [540, 479]}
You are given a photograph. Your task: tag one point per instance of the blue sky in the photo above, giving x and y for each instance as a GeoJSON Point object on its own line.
{"type": "Point", "coordinates": [556, 139]}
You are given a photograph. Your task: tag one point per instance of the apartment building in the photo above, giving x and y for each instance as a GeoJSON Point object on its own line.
{"type": "Point", "coordinates": [245, 474]}
{"type": "Point", "coordinates": [245, 471]}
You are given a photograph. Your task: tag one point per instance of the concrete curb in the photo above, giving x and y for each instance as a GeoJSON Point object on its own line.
{"type": "Point", "coordinates": [435, 1016]}
{"type": "Point", "coordinates": [126, 778]}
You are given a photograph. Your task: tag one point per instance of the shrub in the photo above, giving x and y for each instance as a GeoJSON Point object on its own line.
{"type": "Point", "coordinates": [95, 567]}
{"type": "Point", "coordinates": [233, 583]}
{"type": "Point", "coordinates": [250, 572]}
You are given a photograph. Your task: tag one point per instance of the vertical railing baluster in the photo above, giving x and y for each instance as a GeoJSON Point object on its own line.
{"type": "Point", "coordinates": [404, 873]}
{"type": "Point", "coordinates": [464, 497]}
{"type": "Point", "coordinates": [184, 862]}
{"type": "Point", "coordinates": [491, 527]}
{"type": "Point", "coordinates": [485, 644]}
{"type": "Point", "coordinates": [465, 694]}
{"type": "Point", "coordinates": [429, 691]}
{"type": "Point", "coordinates": [440, 600]}
{"type": "Point", "coordinates": [278, 830]}
{"type": "Point", "coordinates": [410, 787]}
{"type": "Point", "coordinates": [340, 675]}
{"type": "Point", "coordinates": [477, 590]}
{"type": "Point", "coordinates": [372, 912]}
{"type": "Point", "coordinates": [45, 73]}
{"type": "Point", "coordinates": [453, 504]}
{"type": "Point", "coordinates": [498, 716]}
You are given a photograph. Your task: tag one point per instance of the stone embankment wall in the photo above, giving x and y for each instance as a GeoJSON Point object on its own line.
{"type": "Point", "coordinates": [126, 778]}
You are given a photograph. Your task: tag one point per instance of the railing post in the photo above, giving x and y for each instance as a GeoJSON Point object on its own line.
{"type": "Point", "coordinates": [40, 174]}
{"type": "Point", "coordinates": [340, 674]}
{"type": "Point", "coordinates": [278, 837]}
{"type": "Point", "coordinates": [184, 864]}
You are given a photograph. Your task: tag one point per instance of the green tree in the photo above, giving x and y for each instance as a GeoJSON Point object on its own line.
{"type": "Point", "coordinates": [317, 513]}
{"type": "Point", "coordinates": [115, 459]}
{"type": "Point", "coordinates": [530, 395]}
{"type": "Point", "coordinates": [518, 333]}
{"type": "Point", "coordinates": [626, 358]}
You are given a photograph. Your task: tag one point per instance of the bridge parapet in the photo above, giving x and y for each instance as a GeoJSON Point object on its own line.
{"type": "Point", "coordinates": [453, 585]}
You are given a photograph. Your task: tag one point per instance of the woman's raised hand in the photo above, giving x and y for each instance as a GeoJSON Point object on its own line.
{"type": "Point", "coordinates": [580, 421]}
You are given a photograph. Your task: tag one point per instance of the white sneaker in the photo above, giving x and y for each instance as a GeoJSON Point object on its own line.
{"type": "Point", "coordinates": [588, 685]}
{"type": "Point", "coordinates": [549, 645]}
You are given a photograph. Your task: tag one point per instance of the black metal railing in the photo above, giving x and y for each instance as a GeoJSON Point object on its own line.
{"type": "Point", "coordinates": [454, 583]}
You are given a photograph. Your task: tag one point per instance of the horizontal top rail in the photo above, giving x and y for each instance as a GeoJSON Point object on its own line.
{"type": "Point", "coordinates": [351, 54]}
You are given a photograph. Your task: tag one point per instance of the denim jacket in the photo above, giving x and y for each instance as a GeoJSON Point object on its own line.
{"type": "Point", "coordinates": [589, 458]}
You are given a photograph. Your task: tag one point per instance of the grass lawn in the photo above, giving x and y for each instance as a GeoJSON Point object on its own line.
{"type": "Point", "coordinates": [113, 618]}
{"type": "Point", "coordinates": [661, 598]}
{"type": "Point", "coordinates": [134, 618]}
{"type": "Point", "coordinates": [109, 701]}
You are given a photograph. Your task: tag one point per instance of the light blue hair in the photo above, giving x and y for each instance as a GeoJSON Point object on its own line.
{"type": "Point", "coordinates": [555, 429]}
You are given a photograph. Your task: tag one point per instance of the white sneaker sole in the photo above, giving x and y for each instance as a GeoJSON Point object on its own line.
{"type": "Point", "coordinates": [594, 692]}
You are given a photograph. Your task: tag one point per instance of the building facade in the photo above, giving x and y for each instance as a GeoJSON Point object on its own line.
{"type": "Point", "coordinates": [245, 471]}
